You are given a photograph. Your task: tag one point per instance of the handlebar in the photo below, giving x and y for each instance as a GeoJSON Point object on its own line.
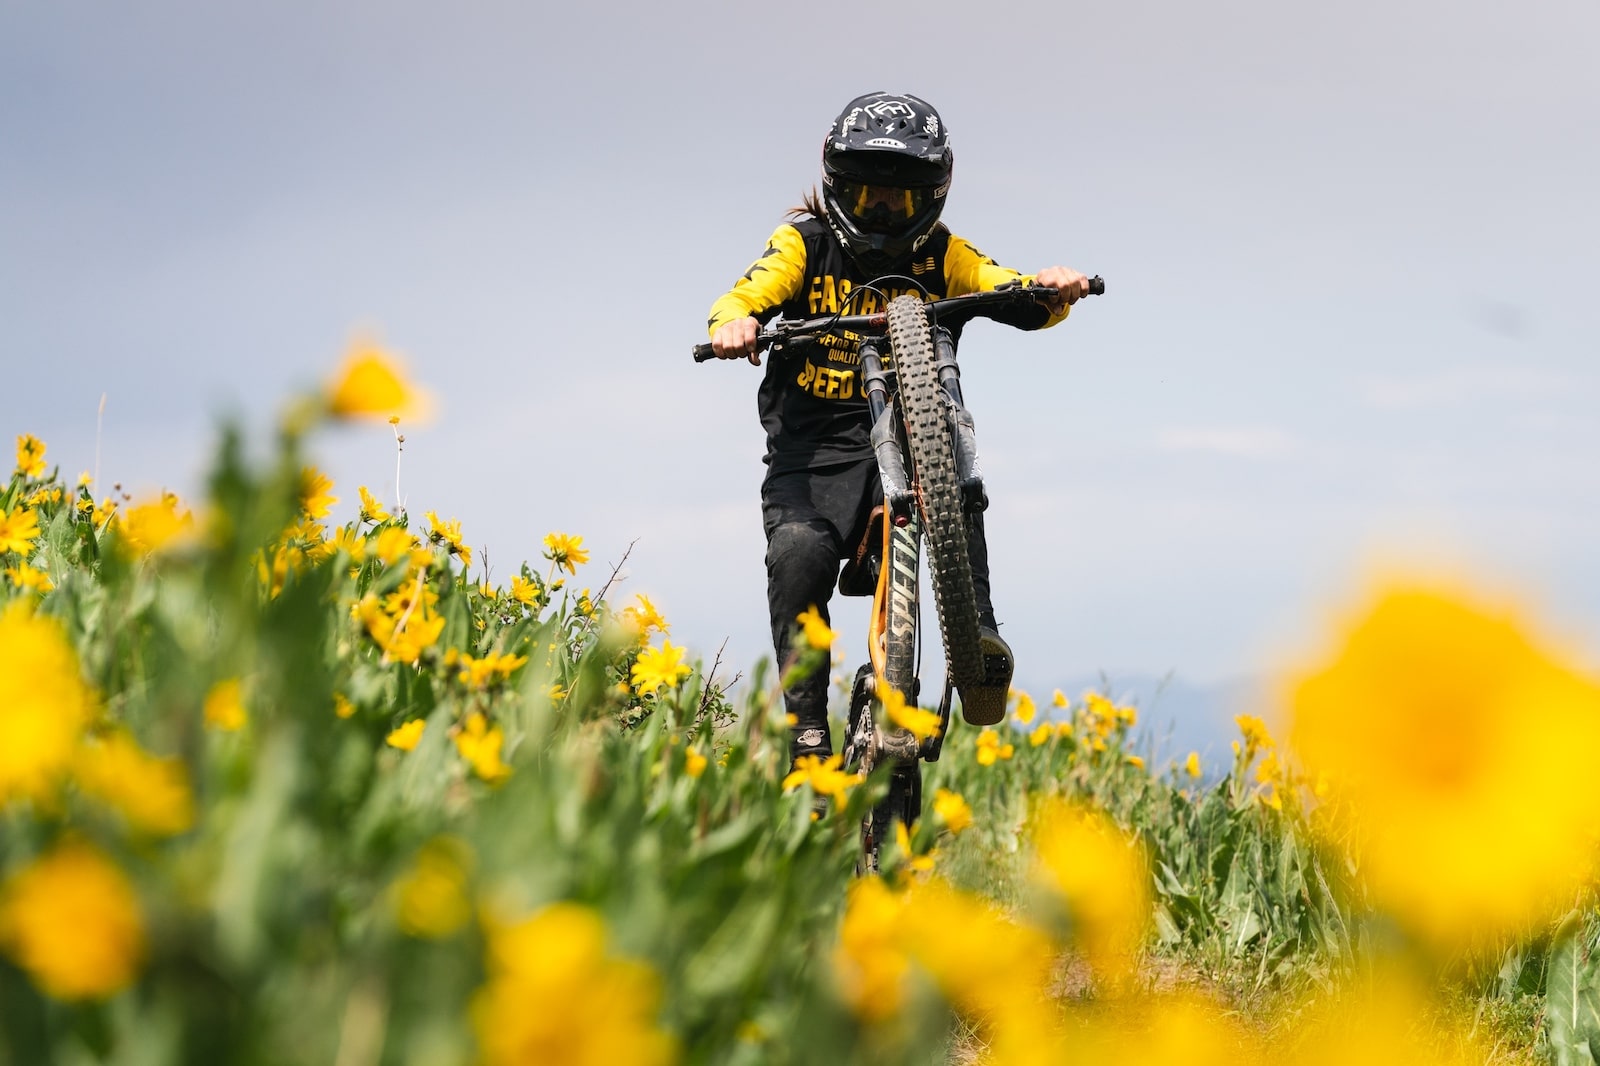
{"type": "Point", "coordinates": [970, 305]}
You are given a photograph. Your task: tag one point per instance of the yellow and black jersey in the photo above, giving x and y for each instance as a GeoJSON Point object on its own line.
{"type": "Point", "coordinates": [810, 401]}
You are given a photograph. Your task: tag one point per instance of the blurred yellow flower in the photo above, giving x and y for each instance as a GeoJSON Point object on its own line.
{"type": "Point", "coordinates": [990, 749]}
{"type": "Point", "coordinates": [392, 544]}
{"type": "Point", "coordinates": [565, 551]}
{"type": "Point", "coordinates": [951, 809]}
{"type": "Point", "coordinates": [44, 704]}
{"type": "Point", "coordinates": [813, 630]}
{"type": "Point", "coordinates": [316, 492]}
{"type": "Point", "coordinates": [157, 525]}
{"type": "Point", "coordinates": [479, 744]}
{"type": "Point", "coordinates": [1457, 757]}
{"type": "Point", "coordinates": [1191, 765]}
{"type": "Point", "coordinates": [369, 384]}
{"type": "Point", "coordinates": [480, 673]}
{"type": "Point", "coordinates": [405, 737]}
{"type": "Point", "coordinates": [18, 530]}
{"type": "Point", "coordinates": [642, 617]}
{"type": "Point", "coordinates": [1059, 699]}
{"type": "Point", "coordinates": [918, 722]}
{"type": "Point", "coordinates": [694, 763]}
{"type": "Point", "coordinates": [431, 898]}
{"type": "Point", "coordinates": [555, 997]}
{"type": "Point", "coordinates": [224, 707]}
{"type": "Point", "coordinates": [371, 509]}
{"type": "Point", "coordinates": [1256, 736]}
{"type": "Point", "coordinates": [659, 666]}
{"type": "Point", "coordinates": [823, 775]}
{"type": "Point", "coordinates": [1135, 761]}
{"type": "Point", "coordinates": [26, 577]}
{"type": "Point", "coordinates": [1102, 878]}
{"type": "Point", "coordinates": [152, 793]}
{"type": "Point", "coordinates": [871, 962]}
{"type": "Point", "coordinates": [917, 864]}
{"type": "Point", "coordinates": [983, 962]}
{"type": "Point", "coordinates": [448, 533]}
{"type": "Point", "coordinates": [30, 456]}
{"type": "Point", "coordinates": [342, 706]}
{"type": "Point", "coordinates": [72, 921]}
{"type": "Point", "coordinates": [1025, 708]}
{"type": "Point", "coordinates": [1041, 735]}
{"type": "Point", "coordinates": [347, 540]}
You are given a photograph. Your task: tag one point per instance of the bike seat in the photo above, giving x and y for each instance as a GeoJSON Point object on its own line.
{"type": "Point", "coordinates": [860, 574]}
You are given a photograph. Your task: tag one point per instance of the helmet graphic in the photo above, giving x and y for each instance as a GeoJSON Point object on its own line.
{"type": "Point", "coordinates": [885, 171]}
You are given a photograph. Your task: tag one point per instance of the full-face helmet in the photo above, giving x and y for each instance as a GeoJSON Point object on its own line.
{"type": "Point", "coordinates": [885, 171]}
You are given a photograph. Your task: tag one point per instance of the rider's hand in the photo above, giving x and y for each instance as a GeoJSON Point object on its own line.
{"type": "Point", "coordinates": [1070, 286]}
{"type": "Point", "coordinates": [737, 340]}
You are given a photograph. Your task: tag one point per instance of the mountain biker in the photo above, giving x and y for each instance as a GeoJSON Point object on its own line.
{"type": "Point", "coordinates": [886, 167]}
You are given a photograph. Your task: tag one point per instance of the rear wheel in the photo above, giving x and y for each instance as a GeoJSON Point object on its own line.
{"type": "Point", "coordinates": [929, 438]}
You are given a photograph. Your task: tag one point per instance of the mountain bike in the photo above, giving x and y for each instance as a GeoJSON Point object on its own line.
{"type": "Point", "coordinates": [926, 447]}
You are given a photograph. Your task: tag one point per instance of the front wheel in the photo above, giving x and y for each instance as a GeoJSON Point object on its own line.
{"type": "Point", "coordinates": [930, 440]}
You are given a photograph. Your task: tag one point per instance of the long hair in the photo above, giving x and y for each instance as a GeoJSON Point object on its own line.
{"type": "Point", "coordinates": [810, 204]}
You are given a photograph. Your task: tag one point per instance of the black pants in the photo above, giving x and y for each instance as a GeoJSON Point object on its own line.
{"type": "Point", "coordinates": [814, 519]}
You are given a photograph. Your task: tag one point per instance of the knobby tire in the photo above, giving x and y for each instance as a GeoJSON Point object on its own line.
{"type": "Point", "coordinates": [926, 413]}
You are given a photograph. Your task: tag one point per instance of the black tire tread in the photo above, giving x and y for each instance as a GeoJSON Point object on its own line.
{"type": "Point", "coordinates": [932, 448]}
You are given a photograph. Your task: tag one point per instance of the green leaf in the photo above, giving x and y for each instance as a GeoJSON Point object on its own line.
{"type": "Point", "coordinates": [1572, 1001]}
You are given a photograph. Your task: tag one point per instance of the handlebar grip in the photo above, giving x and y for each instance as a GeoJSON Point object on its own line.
{"type": "Point", "coordinates": [703, 352]}
{"type": "Point", "coordinates": [1097, 286]}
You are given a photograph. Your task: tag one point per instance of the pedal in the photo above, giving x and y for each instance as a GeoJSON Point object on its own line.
{"type": "Point", "coordinates": [974, 500]}
{"type": "Point", "coordinates": [985, 703]}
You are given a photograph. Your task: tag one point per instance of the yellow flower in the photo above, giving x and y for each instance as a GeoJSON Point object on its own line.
{"type": "Point", "coordinates": [157, 525]}
{"type": "Point", "coordinates": [694, 763]}
{"type": "Point", "coordinates": [984, 963]}
{"type": "Point", "coordinates": [392, 544]}
{"type": "Point", "coordinates": [525, 592]}
{"type": "Point", "coordinates": [565, 551]}
{"type": "Point", "coordinates": [316, 492]}
{"type": "Point", "coordinates": [370, 385]}
{"type": "Point", "coordinates": [152, 793]}
{"type": "Point", "coordinates": [18, 531]}
{"type": "Point", "coordinates": [1456, 753]}
{"type": "Point", "coordinates": [431, 899]}
{"type": "Point", "coordinates": [823, 775]}
{"type": "Point", "coordinates": [1102, 878]}
{"type": "Point", "coordinates": [30, 456]}
{"type": "Point", "coordinates": [555, 996]}
{"type": "Point", "coordinates": [1059, 699]}
{"type": "Point", "coordinates": [480, 673]}
{"type": "Point", "coordinates": [642, 617]}
{"type": "Point", "coordinates": [371, 509]}
{"type": "Point", "coordinates": [44, 705]}
{"type": "Point", "coordinates": [72, 921]}
{"type": "Point", "coordinates": [449, 534]}
{"type": "Point", "coordinates": [814, 630]}
{"type": "Point", "coordinates": [659, 666]}
{"type": "Point", "coordinates": [350, 542]}
{"type": "Point", "coordinates": [1191, 765]}
{"type": "Point", "coordinates": [479, 743]}
{"type": "Point", "coordinates": [951, 809]}
{"type": "Point", "coordinates": [26, 577]}
{"type": "Point", "coordinates": [342, 706]}
{"type": "Point", "coordinates": [990, 749]}
{"type": "Point", "coordinates": [1256, 736]}
{"type": "Point", "coordinates": [405, 737]}
{"type": "Point", "coordinates": [918, 722]}
{"type": "Point", "coordinates": [1025, 707]}
{"type": "Point", "coordinates": [224, 707]}
{"type": "Point", "coordinates": [871, 962]}
{"type": "Point", "coordinates": [1041, 734]}
{"type": "Point", "coordinates": [917, 864]}
{"type": "Point", "coordinates": [1135, 761]}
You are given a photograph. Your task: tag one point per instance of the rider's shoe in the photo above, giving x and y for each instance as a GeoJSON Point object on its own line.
{"type": "Point", "coordinates": [985, 704]}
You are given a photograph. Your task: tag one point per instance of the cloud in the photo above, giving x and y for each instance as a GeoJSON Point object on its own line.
{"type": "Point", "coordinates": [1245, 442]}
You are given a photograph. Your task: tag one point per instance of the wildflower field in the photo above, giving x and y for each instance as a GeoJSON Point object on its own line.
{"type": "Point", "coordinates": [281, 782]}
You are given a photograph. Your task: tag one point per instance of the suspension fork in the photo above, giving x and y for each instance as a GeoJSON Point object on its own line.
{"type": "Point", "coordinates": [968, 474]}
{"type": "Point", "coordinates": [885, 443]}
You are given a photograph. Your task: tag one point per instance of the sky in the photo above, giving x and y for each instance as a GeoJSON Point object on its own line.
{"type": "Point", "coordinates": [1349, 252]}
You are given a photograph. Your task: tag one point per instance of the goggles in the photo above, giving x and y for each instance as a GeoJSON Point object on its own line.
{"type": "Point", "coordinates": [875, 206]}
